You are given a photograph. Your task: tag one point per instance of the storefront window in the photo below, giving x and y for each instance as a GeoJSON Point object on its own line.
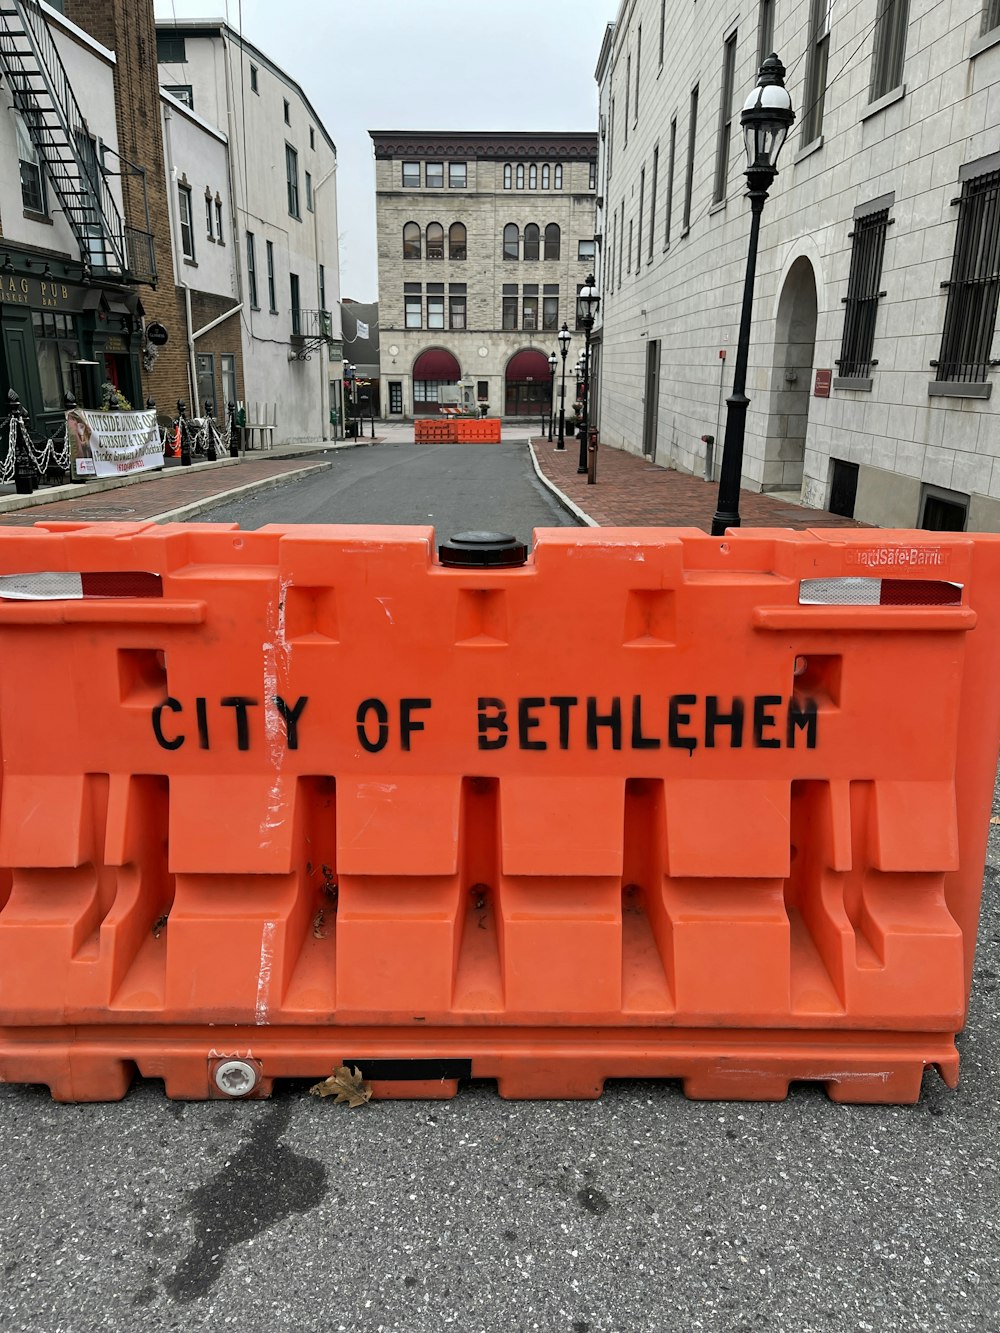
{"type": "Point", "coordinates": [57, 348]}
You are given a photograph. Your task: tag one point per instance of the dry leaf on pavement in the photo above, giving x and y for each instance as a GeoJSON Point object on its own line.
{"type": "Point", "coordinates": [344, 1086]}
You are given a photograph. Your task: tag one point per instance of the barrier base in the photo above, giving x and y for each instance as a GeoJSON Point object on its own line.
{"type": "Point", "coordinates": [82, 1064]}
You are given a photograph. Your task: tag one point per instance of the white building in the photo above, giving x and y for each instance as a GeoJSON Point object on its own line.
{"type": "Point", "coordinates": [874, 346]}
{"type": "Point", "coordinates": [282, 184]}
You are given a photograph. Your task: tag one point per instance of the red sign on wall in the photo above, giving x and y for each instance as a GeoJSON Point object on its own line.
{"type": "Point", "coordinates": [824, 379]}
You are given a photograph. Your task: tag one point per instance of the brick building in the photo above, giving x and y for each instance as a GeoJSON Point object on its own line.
{"type": "Point", "coordinates": [483, 242]}
{"type": "Point", "coordinates": [873, 347]}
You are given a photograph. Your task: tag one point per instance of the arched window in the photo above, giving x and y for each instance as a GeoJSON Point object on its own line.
{"type": "Point", "coordinates": [558, 174]}
{"type": "Point", "coordinates": [507, 175]}
{"type": "Point", "coordinates": [520, 175]}
{"type": "Point", "coordinates": [456, 240]}
{"type": "Point", "coordinates": [411, 241]}
{"type": "Point", "coordinates": [532, 177]}
{"type": "Point", "coordinates": [552, 238]}
{"type": "Point", "coordinates": [531, 238]}
{"type": "Point", "coordinates": [545, 177]}
{"type": "Point", "coordinates": [435, 240]}
{"type": "Point", "coordinates": [510, 241]}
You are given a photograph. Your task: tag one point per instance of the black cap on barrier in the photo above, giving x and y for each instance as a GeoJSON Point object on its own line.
{"type": "Point", "coordinates": [483, 550]}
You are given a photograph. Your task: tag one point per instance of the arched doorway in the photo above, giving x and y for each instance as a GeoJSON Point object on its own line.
{"type": "Point", "coordinates": [527, 384]}
{"type": "Point", "coordinates": [791, 379]}
{"type": "Point", "coordinates": [431, 370]}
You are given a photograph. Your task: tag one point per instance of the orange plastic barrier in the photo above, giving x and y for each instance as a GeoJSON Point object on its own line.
{"type": "Point", "coordinates": [653, 804]}
{"type": "Point", "coordinates": [485, 430]}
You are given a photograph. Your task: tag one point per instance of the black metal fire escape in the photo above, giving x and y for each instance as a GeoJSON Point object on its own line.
{"type": "Point", "coordinates": [42, 93]}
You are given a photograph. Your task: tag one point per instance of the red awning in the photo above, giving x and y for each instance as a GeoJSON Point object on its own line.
{"type": "Point", "coordinates": [528, 365]}
{"type": "Point", "coordinates": [437, 364]}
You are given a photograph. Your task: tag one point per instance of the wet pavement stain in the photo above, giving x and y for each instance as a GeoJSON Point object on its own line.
{"type": "Point", "coordinates": [263, 1183]}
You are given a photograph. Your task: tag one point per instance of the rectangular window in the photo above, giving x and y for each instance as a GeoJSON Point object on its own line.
{"type": "Point", "coordinates": [652, 201]}
{"type": "Point", "coordinates": [663, 27]}
{"type": "Point", "coordinates": [843, 487]}
{"type": "Point", "coordinates": [971, 314]}
{"type": "Point", "coordinates": [890, 47]}
{"type": "Point", "coordinates": [56, 348]}
{"type": "Point", "coordinates": [414, 316]}
{"type": "Point", "coordinates": [411, 175]}
{"type": "Point", "coordinates": [292, 179]}
{"type": "Point", "coordinates": [434, 175]}
{"type": "Point", "coordinates": [312, 137]}
{"type": "Point", "coordinates": [288, 112]}
{"type": "Point", "coordinates": [765, 30]}
{"type": "Point", "coordinates": [456, 312]}
{"type": "Point", "coordinates": [668, 201]}
{"type": "Point", "coordinates": [253, 80]}
{"type": "Point", "coordinates": [252, 271]}
{"type": "Point", "coordinates": [435, 312]}
{"type": "Point", "coordinates": [271, 297]}
{"type": "Point", "coordinates": [170, 49]}
{"type": "Point", "coordinates": [32, 180]}
{"type": "Point", "coordinates": [943, 511]}
{"type": "Point", "coordinates": [725, 119]}
{"type": "Point", "coordinates": [631, 230]}
{"type": "Point", "coordinates": [861, 303]}
{"type": "Point", "coordinates": [628, 96]}
{"type": "Point", "coordinates": [819, 51]}
{"type": "Point", "coordinates": [550, 312]}
{"type": "Point", "coordinates": [611, 139]}
{"type": "Point", "coordinates": [638, 67]}
{"type": "Point", "coordinates": [293, 286]}
{"type": "Point", "coordinates": [611, 254]}
{"type": "Point", "coordinates": [227, 368]}
{"type": "Point", "coordinates": [186, 221]}
{"type": "Point", "coordinates": [509, 313]}
{"type": "Point", "coordinates": [529, 314]}
{"type": "Point", "coordinates": [209, 218]}
{"type": "Point", "coordinates": [322, 286]}
{"type": "Point", "coordinates": [457, 175]}
{"type": "Point", "coordinates": [205, 368]}
{"type": "Point", "coordinates": [586, 251]}
{"type": "Point", "coordinates": [218, 221]}
{"type": "Point", "coordinates": [182, 91]}
{"type": "Point", "coordinates": [641, 211]}
{"type": "Point", "coordinates": [991, 15]}
{"type": "Point", "coordinates": [309, 192]}
{"type": "Point", "coordinates": [689, 174]}
{"type": "Point", "coordinates": [621, 245]}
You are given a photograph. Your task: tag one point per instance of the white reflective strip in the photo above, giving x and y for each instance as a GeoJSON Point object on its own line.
{"type": "Point", "coordinates": [840, 592]}
{"type": "Point", "coordinates": [47, 587]}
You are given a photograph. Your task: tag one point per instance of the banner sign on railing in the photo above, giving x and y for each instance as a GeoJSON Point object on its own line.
{"type": "Point", "coordinates": [108, 444]}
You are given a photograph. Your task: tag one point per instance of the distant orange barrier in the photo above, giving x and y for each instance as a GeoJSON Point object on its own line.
{"type": "Point", "coordinates": [457, 430]}
{"type": "Point", "coordinates": [652, 804]}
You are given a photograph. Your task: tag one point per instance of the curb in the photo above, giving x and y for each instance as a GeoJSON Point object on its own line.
{"type": "Point", "coordinates": [221, 497]}
{"type": "Point", "coordinates": [561, 496]}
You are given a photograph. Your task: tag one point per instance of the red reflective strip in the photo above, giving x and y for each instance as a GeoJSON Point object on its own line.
{"type": "Point", "coordinates": [919, 592]}
{"type": "Point", "coordinates": [124, 583]}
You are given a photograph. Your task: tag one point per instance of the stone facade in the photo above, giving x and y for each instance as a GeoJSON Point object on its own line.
{"type": "Point", "coordinates": [479, 200]}
{"type": "Point", "coordinates": [920, 443]}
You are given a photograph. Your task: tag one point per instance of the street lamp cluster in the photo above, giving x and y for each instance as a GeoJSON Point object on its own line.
{"type": "Point", "coordinates": [587, 302]}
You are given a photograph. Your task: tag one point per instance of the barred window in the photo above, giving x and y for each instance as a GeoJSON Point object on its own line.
{"type": "Point", "coordinates": [861, 301]}
{"type": "Point", "coordinates": [971, 314]}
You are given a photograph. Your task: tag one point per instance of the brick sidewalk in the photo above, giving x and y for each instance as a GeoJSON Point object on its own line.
{"type": "Point", "coordinates": [632, 492]}
{"type": "Point", "coordinates": [168, 491]}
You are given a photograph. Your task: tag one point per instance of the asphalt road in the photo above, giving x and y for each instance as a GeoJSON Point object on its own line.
{"type": "Point", "coordinates": [638, 1213]}
{"type": "Point", "coordinates": [454, 487]}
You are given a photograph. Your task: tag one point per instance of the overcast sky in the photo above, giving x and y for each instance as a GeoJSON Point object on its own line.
{"type": "Point", "coordinates": [420, 65]}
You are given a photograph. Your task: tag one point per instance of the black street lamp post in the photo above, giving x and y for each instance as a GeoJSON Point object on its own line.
{"type": "Point", "coordinates": [350, 371]}
{"type": "Point", "coordinates": [766, 119]}
{"type": "Point", "coordinates": [587, 302]}
{"type": "Point", "coordinates": [553, 362]}
{"type": "Point", "coordinates": [564, 336]}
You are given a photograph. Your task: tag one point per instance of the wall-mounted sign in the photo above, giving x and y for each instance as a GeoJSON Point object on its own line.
{"type": "Point", "coordinates": [114, 342]}
{"type": "Point", "coordinates": [824, 378]}
{"type": "Point", "coordinates": [157, 335]}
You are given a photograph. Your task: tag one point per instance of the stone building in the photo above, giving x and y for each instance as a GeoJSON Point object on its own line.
{"type": "Point", "coordinates": [277, 210]}
{"type": "Point", "coordinates": [78, 255]}
{"type": "Point", "coordinates": [874, 348]}
{"type": "Point", "coordinates": [483, 242]}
